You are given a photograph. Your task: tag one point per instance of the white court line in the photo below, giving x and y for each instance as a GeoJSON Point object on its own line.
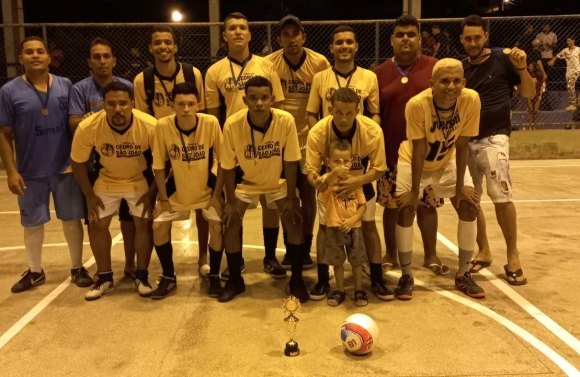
{"type": "Point", "coordinates": [22, 322]}
{"type": "Point", "coordinates": [44, 245]}
{"type": "Point", "coordinates": [541, 166]}
{"type": "Point", "coordinates": [562, 363]}
{"type": "Point", "coordinates": [15, 212]}
{"type": "Point", "coordinates": [552, 326]}
{"type": "Point", "coordinates": [536, 201]}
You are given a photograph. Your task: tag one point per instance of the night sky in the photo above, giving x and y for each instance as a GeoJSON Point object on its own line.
{"type": "Point", "coordinates": [45, 11]}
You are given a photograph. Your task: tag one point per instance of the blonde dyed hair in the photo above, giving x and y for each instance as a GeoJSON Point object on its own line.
{"type": "Point", "coordinates": [446, 63]}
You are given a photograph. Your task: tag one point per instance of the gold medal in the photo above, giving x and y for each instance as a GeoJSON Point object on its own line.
{"type": "Point", "coordinates": [45, 111]}
{"type": "Point", "coordinates": [507, 51]}
{"type": "Point", "coordinates": [404, 79]}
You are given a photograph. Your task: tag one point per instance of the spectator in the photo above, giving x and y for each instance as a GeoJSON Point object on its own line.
{"type": "Point", "coordinates": [535, 57]}
{"type": "Point", "coordinates": [267, 50]}
{"type": "Point", "coordinates": [534, 103]}
{"type": "Point", "coordinates": [548, 40]}
{"type": "Point", "coordinates": [525, 41]}
{"type": "Point", "coordinates": [138, 64]}
{"type": "Point", "coordinates": [427, 43]}
{"type": "Point", "coordinates": [56, 59]}
{"type": "Point", "coordinates": [572, 56]}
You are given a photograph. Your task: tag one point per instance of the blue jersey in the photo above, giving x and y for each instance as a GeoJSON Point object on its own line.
{"type": "Point", "coordinates": [86, 96]}
{"type": "Point", "coordinates": [43, 142]}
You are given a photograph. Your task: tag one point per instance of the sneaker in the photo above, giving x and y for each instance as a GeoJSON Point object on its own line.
{"type": "Point", "coordinates": [29, 279]}
{"type": "Point", "coordinates": [366, 269]}
{"type": "Point", "coordinates": [166, 286]}
{"type": "Point", "coordinates": [286, 263]}
{"type": "Point", "coordinates": [404, 290]}
{"type": "Point", "coordinates": [297, 288]}
{"type": "Point", "coordinates": [273, 267]}
{"type": "Point", "coordinates": [308, 263]}
{"type": "Point", "coordinates": [226, 273]}
{"type": "Point", "coordinates": [319, 292]}
{"type": "Point", "coordinates": [382, 291]}
{"type": "Point", "coordinates": [143, 287]}
{"type": "Point", "coordinates": [203, 270]}
{"type": "Point", "coordinates": [466, 285]}
{"type": "Point", "coordinates": [215, 285]}
{"type": "Point", "coordinates": [81, 277]}
{"type": "Point", "coordinates": [231, 290]}
{"type": "Point", "coordinates": [330, 272]}
{"type": "Point", "coordinates": [99, 289]}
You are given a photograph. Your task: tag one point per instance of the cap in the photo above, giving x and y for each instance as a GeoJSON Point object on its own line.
{"type": "Point", "coordinates": [292, 19]}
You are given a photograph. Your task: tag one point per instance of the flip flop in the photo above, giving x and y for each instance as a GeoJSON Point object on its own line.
{"type": "Point", "coordinates": [514, 274]}
{"type": "Point", "coordinates": [480, 263]}
{"type": "Point", "coordinates": [439, 269]}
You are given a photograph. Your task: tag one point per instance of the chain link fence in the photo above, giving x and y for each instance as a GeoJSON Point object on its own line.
{"type": "Point", "coordinates": [68, 45]}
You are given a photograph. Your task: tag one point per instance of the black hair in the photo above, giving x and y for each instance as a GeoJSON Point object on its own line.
{"type": "Point", "coordinates": [117, 86]}
{"type": "Point", "coordinates": [258, 82]}
{"type": "Point", "coordinates": [342, 29]}
{"type": "Point", "coordinates": [184, 88]}
{"type": "Point", "coordinates": [344, 95]}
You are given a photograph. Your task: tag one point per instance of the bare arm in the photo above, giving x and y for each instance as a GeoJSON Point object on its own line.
{"type": "Point", "coordinates": [461, 146]}
{"type": "Point", "coordinates": [376, 118]}
{"type": "Point", "coordinates": [73, 122]}
{"type": "Point", "coordinates": [215, 111]}
{"type": "Point", "coordinates": [312, 119]}
{"type": "Point", "coordinates": [160, 181]}
{"type": "Point", "coordinates": [219, 184]}
{"type": "Point", "coordinates": [417, 162]}
{"type": "Point", "coordinates": [360, 212]}
{"type": "Point", "coordinates": [291, 171]}
{"type": "Point", "coordinates": [541, 67]}
{"type": "Point", "coordinates": [82, 176]}
{"type": "Point", "coordinates": [15, 181]}
{"type": "Point", "coordinates": [527, 88]}
{"type": "Point", "coordinates": [230, 184]}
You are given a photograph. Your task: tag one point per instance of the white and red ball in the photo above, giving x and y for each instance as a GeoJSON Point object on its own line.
{"type": "Point", "coordinates": [359, 333]}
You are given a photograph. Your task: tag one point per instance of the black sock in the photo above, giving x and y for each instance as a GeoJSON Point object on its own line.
{"type": "Point", "coordinates": [294, 254]}
{"type": "Point", "coordinates": [165, 254]}
{"type": "Point", "coordinates": [323, 274]}
{"type": "Point", "coordinates": [376, 272]}
{"type": "Point", "coordinates": [241, 239]}
{"type": "Point", "coordinates": [215, 260]}
{"type": "Point", "coordinates": [270, 241]}
{"type": "Point", "coordinates": [234, 264]}
{"type": "Point", "coordinates": [307, 244]}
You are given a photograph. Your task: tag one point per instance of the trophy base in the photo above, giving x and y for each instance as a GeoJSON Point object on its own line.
{"type": "Point", "coordinates": [291, 349]}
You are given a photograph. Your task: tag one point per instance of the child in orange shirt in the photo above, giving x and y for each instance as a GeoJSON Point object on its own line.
{"type": "Point", "coordinates": [343, 224]}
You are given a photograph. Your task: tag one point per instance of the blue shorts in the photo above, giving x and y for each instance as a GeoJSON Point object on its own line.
{"type": "Point", "coordinates": [69, 201]}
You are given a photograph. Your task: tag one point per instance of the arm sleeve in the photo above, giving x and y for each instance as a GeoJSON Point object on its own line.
{"type": "Point", "coordinates": [140, 97]}
{"type": "Point", "coordinates": [415, 117]}
{"type": "Point", "coordinates": [82, 145]}
{"type": "Point", "coordinates": [227, 153]}
{"type": "Point", "coordinates": [212, 92]}
{"type": "Point", "coordinates": [200, 88]}
{"type": "Point", "coordinates": [314, 99]}
{"type": "Point", "coordinates": [76, 102]}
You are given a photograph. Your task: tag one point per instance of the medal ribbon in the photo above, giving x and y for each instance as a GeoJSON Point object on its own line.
{"type": "Point", "coordinates": [45, 102]}
{"type": "Point", "coordinates": [405, 74]}
{"type": "Point", "coordinates": [237, 80]}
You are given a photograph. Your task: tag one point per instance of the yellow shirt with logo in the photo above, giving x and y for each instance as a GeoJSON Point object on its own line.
{"type": "Point", "coordinates": [362, 81]}
{"type": "Point", "coordinates": [220, 81]}
{"type": "Point", "coordinates": [440, 133]}
{"type": "Point", "coordinates": [161, 101]}
{"type": "Point", "coordinates": [367, 141]}
{"type": "Point", "coordinates": [191, 158]}
{"type": "Point", "coordinates": [297, 81]}
{"type": "Point", "coordinates": [121, 155]}
{"type": "Point", "coordinates": [261, 169]}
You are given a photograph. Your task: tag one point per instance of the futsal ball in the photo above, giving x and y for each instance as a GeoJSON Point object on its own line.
{"type": "Point", "coordinates": [359, 333]}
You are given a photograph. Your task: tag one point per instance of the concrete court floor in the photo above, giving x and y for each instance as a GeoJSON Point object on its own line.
{"type": "Point", "coordinates": [438, 333]}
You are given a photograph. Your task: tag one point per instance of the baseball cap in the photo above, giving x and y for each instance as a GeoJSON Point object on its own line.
{"type": "Point", "coordinates": [292, 19]}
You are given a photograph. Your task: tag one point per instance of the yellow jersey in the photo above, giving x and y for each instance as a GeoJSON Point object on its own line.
{"type": "Point", "coordinates": [297, 81]}
{"type": "Point", "coordinates": [259, 152]}
{"type": "Point", "coordinates": [192, 154]}
{"type": "Point", "coordinates": [227, 78]}
{"type": "Point", "coordinates": [440, 128]}
{"type": "Point", "coordinates": [325, 83]}
{"type": "Point", "coordinates": [121, 154]}
{"type": "Point", "coordinates": [163, 90]}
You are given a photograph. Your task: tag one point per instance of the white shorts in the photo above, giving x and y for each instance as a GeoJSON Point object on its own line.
{"type": "Point", "coordinates": [112, 201]}
{"type": "Point", "coordinates": [271, 197]}
{"type": "Point", "coordinates": [209, 214]}
{"type": "Point", "coordinates": [369, 214]}
{"type": "Point", "coordinates": [442, 181]}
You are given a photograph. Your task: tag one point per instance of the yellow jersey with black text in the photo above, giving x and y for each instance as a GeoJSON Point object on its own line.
{"type": "Point", "coordinates": [121, 154]}
{"type": "Point", "coordinates": [362, 81]}
{"type": "Point", "coordinates": [297, 81]}
{"type": "Point", "coordinates": [439, 127]}
{"type": "Point", "coordinates": [227, 78]}
{"type": "Point", "coordinates": [163, 89]}
{"type": "Point", "coordinates": [260, 152]}
{"type": "Point", "coordinates": [192, 154]}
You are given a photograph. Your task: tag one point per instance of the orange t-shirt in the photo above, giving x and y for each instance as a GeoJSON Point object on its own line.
{"type": "Point", "coordinates": [338, 209]}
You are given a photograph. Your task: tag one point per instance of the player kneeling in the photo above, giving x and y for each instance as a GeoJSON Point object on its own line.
{"type": "Point", "coordinates": [440, 120]}
{"type": "Point", "coordinates": [189, 141]}
{"type": "Point", "coordinates": [264, 142]}
{"type": "Point", "coordinates": [122, 136]}
{"type": "Point", "coordinates": [343, 224]}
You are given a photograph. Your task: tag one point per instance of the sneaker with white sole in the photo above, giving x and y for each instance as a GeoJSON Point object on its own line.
{"type": "Point", "coordinates": [143, 287]}
{"type": "Point", "coordinates": [99, 289]}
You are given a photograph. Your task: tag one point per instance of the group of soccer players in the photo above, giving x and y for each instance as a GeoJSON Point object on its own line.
{"type": "Point", "coordinates": [264, 130]}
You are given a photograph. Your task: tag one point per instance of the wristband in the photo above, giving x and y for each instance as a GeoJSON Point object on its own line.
{"type": "Point", "coordinates": [522, 69]}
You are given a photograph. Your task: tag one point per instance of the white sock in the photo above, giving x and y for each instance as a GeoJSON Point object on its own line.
{"type": "Point", "coordinates": [404, 238]}
{"type": "Point", "coordinates": [74, 234]}
{"type": "Point", "coordinates": [466, 237]}
{"type": "Point", "coordinates": [33, 240]}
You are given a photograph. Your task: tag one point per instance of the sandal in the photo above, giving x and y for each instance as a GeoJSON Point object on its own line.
{"type": "Point", "coordinates": [438, 269]}
{"type": "Point", "coordinates": [361, 298]}
{"type": "Point", "coordinates": [480, 263]}
{"type": "Point", "coordinates": [335, 298]}
{"type": "Point", "coordinates": [514, 275]}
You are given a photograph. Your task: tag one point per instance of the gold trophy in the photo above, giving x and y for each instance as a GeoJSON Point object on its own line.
{"type": "Point", "coordinates": [291, 305]}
